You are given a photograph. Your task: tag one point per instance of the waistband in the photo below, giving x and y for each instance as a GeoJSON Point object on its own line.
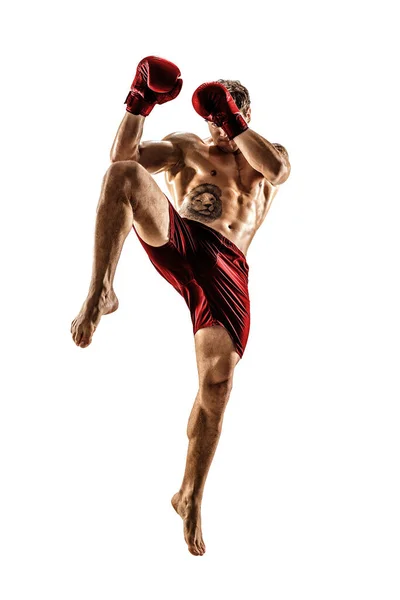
{"type": "Point", "coordinates": [226, 241]}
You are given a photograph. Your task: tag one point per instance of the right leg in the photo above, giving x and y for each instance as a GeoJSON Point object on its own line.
{"type": "Point", "coordinates": [128, 195]}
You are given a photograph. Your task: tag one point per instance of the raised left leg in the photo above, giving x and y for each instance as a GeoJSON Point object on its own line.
{"type": "Point", "coordinates": [216, 360]}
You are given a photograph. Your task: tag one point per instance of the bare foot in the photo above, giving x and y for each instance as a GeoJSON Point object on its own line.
{"type": "Point", "coordinates": [84, 325]}
{"type": "Point", "coordinates": [190, 513]}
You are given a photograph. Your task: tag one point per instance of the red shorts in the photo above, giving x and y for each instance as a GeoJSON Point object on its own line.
{"type": "Point", "coordinates": [209, 271]}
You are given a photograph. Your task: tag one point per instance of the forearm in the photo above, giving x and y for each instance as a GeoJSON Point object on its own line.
{"type": "Point", "coordinates": [127, 140]}
{"type": "Point", "coordinates": [262, 156]}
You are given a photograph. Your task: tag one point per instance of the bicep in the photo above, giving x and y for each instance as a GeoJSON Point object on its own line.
{"type": "Point", "coordinates": [159, 156]}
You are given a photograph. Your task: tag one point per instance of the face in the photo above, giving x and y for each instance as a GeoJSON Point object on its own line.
{"type": "Point", "coordinates": [220, 138]}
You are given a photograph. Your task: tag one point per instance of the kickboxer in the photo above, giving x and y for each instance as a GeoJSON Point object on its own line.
{"type": "Point", "coordinates": [222, 187]}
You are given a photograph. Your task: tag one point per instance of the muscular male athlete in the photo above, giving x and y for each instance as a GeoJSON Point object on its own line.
{"type": "Point", "coordinates": [222, 188]}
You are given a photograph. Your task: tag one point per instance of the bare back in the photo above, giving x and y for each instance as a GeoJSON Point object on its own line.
{"type": "Point", "coordinates": [219, 189]}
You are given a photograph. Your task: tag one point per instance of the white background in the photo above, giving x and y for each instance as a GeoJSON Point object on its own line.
{"type": "Point", "coordinates": [302, 497]}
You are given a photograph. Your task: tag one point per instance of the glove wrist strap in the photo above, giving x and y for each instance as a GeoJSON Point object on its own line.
{"type": "Point", "coordinates": [137, 105]}
{"type": "Point", "coordinates": [235, 125]}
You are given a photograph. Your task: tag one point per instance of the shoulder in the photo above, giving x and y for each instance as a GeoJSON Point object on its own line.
{"type": "Point", "coordinates": [182, 138]}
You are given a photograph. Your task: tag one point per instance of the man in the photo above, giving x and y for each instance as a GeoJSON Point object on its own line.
{"type": "Point", "coordinates": [222, 187]}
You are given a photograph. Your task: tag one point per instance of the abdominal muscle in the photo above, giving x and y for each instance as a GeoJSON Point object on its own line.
{"type": "Point", "coordinates": [225, 194]}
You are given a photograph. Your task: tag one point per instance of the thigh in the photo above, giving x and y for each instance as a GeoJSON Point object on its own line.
{"type": "Point", "coordinates": [226, 291]}
{"type": "Point", "coordinates": [216, 355]}
{"type": "Point", "coordinates": [150, 206]}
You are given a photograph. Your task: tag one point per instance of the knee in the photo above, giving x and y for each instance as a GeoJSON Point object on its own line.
{"type": "Point", "coordinates": [214, 396]}
{"type": "Point", "coordinates": [217, 369]}
{"type": "Point", "coordinates": [125, 175]}
{"type": "Point", "coordinates": [126, 170]}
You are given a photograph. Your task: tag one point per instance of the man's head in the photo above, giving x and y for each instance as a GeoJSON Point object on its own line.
{"type": "Point", "coordinates": [241, 98]}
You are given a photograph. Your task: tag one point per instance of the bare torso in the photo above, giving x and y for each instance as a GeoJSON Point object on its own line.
{"type": "Point", "coordinates": [219, 189]}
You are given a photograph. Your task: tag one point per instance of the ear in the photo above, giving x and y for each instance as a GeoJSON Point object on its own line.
{"type": "Point", "coordinates": [248, 115]}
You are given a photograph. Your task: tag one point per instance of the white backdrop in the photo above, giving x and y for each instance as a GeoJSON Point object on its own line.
{"type": "Point", "coordinates": [302, 497]}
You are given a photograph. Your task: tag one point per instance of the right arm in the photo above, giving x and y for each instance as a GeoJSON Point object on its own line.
{"type": "Point", "coordinates": [156, 82]}
{"type": "Point", "coordinates": [127, 140]}
{"type": "Point", "coordinates": [153, 156]}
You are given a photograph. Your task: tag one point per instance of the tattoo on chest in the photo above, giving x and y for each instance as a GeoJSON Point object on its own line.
{"type": "Point", "coordinates": [203, 203]}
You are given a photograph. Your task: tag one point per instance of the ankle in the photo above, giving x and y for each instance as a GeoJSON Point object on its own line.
{"type": "Point", "coordinates": [96, 295]}
{"type": "Point", "coordinates": [190, 497]}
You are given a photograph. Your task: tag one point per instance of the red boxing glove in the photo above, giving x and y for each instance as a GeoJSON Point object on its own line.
{"type": "Point", "coordinates": [213, 102]}
{"type": "Point", "coordinates": [156, 81]}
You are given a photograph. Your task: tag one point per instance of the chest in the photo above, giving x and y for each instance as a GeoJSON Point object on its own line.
{"type": "Point", "coordinates": [226, 170]}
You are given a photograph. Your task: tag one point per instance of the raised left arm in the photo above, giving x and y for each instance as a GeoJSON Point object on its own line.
{"type": "Point", "coordinates": [263, 156]}
{"type": "Point", "coordinates": [213, 102]}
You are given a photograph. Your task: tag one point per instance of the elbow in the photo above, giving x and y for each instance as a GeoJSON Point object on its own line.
{"type": "Point", "coordinates": [281, 175]}
{"type": "Point", "coordinates": [118, 156]}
